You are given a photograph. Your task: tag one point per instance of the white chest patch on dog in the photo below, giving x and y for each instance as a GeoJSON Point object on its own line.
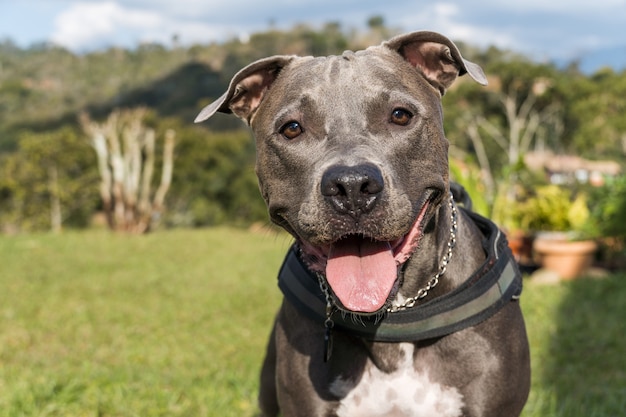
{"type": "Point", "coordinates": [404, 392]}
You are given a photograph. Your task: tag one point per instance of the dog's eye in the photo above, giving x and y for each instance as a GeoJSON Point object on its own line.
{"type": "Point", "coordinates": [291, 130]}
{"type": "Point", "coordinates": [400, 117]}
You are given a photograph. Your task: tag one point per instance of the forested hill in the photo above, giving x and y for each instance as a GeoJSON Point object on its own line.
{"type": "Point", "coordinates": [44, 88]}
{"type": "Point", "coordinates": [46, 85]}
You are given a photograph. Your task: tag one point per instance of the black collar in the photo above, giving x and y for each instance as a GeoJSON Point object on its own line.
{"type": "Point", "coordinates": [497, 282]}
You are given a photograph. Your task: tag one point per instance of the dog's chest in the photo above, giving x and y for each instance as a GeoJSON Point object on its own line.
{"type": "Point", "coordinates": [404, 392]}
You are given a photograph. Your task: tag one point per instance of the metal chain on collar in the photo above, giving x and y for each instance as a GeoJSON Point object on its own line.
{"type": "Point", "coordinates": [329, 301]}
{"type": "Point", "coordinates": [423, 292]}
{"type": "Point", "coordinates": [328, 323]}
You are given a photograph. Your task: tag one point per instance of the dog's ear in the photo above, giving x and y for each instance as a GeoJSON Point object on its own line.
{"type": "Point", "coordinates": [247, 88]}
{"type": "Point", "coordinates": [437, 57]}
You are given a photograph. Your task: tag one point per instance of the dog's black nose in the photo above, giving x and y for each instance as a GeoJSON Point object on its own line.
{"type": "Point", "coordinates": [352, 190]}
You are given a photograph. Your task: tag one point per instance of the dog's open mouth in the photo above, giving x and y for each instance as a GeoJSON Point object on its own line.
{"type": "Point", "coordinates": [361, 271]}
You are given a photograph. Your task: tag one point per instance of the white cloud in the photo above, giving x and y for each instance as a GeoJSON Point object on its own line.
{"type": "Point", "coordinates": [448, 19]}
{"type": "Point", "coordinates": [86, 23]}
{"type": "Point", "coordinates": [187, 9]}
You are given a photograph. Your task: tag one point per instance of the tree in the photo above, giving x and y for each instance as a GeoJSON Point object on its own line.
{"type": "Point", "coordinates": [514, 114]}
{"type": "Point", "coordinates": [596, 118]}
{"type": "Point", "coordinates": [125, 149]}
{"type": "Point", "coordinates": [214, 182]}
{"type": "Point", "coordinates": [48, 182]}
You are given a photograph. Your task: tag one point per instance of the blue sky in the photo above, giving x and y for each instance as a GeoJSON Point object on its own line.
{"type": "Point", "coordinates": [557, 30]}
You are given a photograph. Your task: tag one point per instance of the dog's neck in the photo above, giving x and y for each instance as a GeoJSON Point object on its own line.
{"type": "Point", "coordinates": [433, 250]}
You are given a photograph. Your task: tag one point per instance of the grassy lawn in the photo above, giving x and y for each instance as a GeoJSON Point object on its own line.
{"type": "Point", "coordinates": [175, 324]}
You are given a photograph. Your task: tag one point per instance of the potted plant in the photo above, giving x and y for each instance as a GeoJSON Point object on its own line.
{"type": "Point", "coordinates": [608, 206]}
{"type": "Point", "coordinates": [511, 212]}
{"type": "Point", "coordinates": [563, 240]}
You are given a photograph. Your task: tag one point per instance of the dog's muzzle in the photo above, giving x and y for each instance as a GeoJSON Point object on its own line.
{"type": "Point", "coordinates": [362, 270]}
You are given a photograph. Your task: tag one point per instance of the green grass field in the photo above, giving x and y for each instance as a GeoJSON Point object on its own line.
{"type": "Point", "coordinates": [175, 324]}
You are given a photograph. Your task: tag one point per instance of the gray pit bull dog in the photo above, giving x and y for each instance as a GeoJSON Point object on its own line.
{"type": "Point", "coordinates": [397, 302]}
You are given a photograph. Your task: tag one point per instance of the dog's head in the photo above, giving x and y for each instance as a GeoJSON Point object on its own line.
{"type": "Point", "coordinates": [351, 154]}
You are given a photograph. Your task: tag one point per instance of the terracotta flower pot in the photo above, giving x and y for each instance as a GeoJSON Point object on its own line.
{"type": "Point", "coordinates": [569, 259]}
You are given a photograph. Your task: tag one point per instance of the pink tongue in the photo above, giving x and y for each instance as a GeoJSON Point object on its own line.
{"type": "Point", "coordinates": [361, 273]}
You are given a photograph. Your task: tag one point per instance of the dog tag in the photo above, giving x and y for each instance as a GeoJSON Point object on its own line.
{"type": "Point", "coordinates": [328, 340]}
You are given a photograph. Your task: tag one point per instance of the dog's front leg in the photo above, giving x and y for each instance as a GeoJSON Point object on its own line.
{"type": "Point", "coordinates": [268, 399]}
